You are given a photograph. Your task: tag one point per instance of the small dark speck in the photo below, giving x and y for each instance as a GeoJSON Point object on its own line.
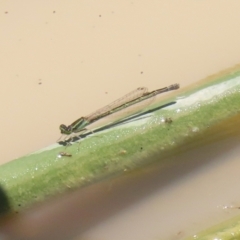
{"type": "Point", "coordinates": [39, 81]}
{"type": "Point", "coordinates": [6, 12]}
{"type": "Point", "coordinates": [141, 72]}
{"type": "Point", "coordinates": [16, 212]}
{"type": "Point", "coordinates": [106, 92]}
{"type": "Point", "coordinates": [180, 233]}
{"type": "Point", "coordinates": [54, 11]}
{"type": "Point", "coordinates": [19, 205]}
{"type": "Point", "coordinates": [141, 148]}
{"type": "Point", "coordinates": [100, 15]}
{"type": "Point", "coordinates": [168, 120]}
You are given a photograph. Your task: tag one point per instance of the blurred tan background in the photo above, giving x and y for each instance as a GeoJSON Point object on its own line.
{"type": "Point", "coordinates": [64, 59]}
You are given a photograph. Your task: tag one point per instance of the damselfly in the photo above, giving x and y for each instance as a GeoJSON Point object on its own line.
{"type": "Point", "coordinates": [140, 94]}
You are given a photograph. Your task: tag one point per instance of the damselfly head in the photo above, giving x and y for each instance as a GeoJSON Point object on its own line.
{"type": "Point", "coordinates": [65, 129]}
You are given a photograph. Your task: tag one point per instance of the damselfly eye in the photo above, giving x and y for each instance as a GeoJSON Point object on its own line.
{"type": "Point", "coordinates": [62, 126]}
{"type": "Point", "coordinates": [64, 129]}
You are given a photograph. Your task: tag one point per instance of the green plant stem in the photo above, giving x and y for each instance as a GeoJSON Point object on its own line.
{"type": "Point", "coordinates": [228, 230]}
{"type": "Point", "coordinates": [150, 138]}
